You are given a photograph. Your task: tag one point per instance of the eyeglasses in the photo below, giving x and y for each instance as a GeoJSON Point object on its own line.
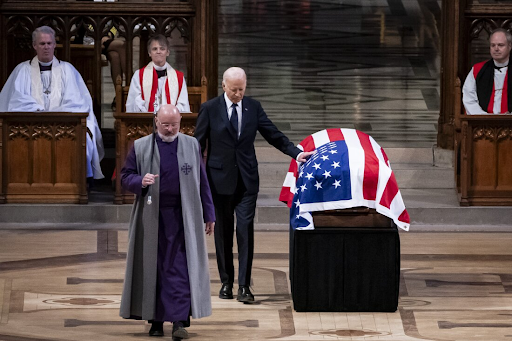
{"type": "Point", "coordinates": [167, 125]}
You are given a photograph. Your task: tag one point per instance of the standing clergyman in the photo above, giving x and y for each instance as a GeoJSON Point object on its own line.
{"type": "Point", "coordinates": [167, 276]}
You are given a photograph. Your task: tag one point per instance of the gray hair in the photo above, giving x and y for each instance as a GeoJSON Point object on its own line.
{"type": "Point", "coordinates": [234, 73]}
{"type": "Point", "coordinates": [507, 34]}
{"type": "Point", "coordinates": [45, 30]}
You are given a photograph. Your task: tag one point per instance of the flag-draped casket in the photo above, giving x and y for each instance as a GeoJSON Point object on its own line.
{"type": "Point", "coordinates": [349, 169]}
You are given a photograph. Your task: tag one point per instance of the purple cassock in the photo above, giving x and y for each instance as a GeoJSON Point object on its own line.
{"type": "Point", "coordinates": [173, 287]}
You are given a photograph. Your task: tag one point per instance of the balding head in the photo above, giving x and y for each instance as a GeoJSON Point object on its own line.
{"type": "Point", "coordinates": [167, 121]}
{"type": "Point", "coordinates": [234, 82]}
{"type": "Point", "coordinates": [234, 73]}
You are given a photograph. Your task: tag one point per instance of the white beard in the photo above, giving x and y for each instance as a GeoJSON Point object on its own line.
{"type": "Point", "coordinates": [168, 138]}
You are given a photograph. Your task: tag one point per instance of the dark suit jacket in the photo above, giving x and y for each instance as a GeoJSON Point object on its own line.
{"type": "Point", "coordinates": [226, 154]}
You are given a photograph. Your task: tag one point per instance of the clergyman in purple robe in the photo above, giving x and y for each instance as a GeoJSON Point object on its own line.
{"type": "Point", "coordinates": [167, 274]}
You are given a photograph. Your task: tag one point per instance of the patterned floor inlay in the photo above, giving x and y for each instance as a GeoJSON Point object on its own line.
{"type": "Point", "coordinates": [453, 287]}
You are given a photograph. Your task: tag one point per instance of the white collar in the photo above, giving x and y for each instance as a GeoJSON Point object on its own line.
{"type": "Point", "coordinates": [229, 103]}
{"type": "Point", "coordinates": [45, 63]}
{"type": "Point", "coordinates": [501, 64]}
{"type": "Point", "coordinates": [160, 68]}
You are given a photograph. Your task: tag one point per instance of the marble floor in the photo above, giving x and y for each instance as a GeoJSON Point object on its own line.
{"type": "Point", "coordinates": [66, 285]}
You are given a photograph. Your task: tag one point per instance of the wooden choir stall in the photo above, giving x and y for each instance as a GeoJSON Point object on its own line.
{"type": "Point", "coordinates": [189, 25]}
{"type": "Point", "coordinates": [484, 160]}
{"type": "Point", "coordinates": [481, 143]}
{"type": "Point", "coordinates": [43, 157]}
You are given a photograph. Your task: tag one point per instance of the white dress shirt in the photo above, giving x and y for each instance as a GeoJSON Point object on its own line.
{"type": "Point", "coordinates": [229, 104]}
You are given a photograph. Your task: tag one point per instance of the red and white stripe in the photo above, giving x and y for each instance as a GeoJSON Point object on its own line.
{"type": "Point", "coordinates": [372, 180]}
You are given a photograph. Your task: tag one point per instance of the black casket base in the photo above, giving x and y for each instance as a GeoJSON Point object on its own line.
{"type": "Point", "coordinates": [345, 269]}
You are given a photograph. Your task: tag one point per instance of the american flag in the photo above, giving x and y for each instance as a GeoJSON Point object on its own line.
{"type": "Point", "coordinates": [349, 169]}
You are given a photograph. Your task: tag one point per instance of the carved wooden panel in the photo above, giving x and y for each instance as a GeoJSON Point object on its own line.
{"type": "Point", "coordinates": [486, 160]}
{"type": "Point", "coordinates": [43, 157]}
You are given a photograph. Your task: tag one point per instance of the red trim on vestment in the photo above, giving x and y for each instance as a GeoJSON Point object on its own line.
{"type": "Point", "coordinates": [180, 76]}
{"type": "Point", "coordinates": [477, 67]}
{"type": "Point", "coordinates": [154, 88]}
{"type": "Point", "coordinates": [490, 107]}
{"type": "Point", "coordinates": [504, 95]}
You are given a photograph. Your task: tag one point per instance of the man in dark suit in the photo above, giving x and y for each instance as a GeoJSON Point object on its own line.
{"type": "Point", "coordinates": [226, 128]}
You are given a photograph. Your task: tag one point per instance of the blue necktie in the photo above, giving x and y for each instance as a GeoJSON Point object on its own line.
{"type": "Point", "coordinates": [234, 118]}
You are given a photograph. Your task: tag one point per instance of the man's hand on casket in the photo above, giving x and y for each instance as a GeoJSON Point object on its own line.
{"type": "Point", "coordinates": [304, 156]}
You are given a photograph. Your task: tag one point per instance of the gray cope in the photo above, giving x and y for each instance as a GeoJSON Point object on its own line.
{"type": "Point", "coordinates": [139, 291]}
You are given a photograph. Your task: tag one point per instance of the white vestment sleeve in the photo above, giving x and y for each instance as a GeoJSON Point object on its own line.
{"type": "Point", "coordinates": [469, 96]}
{"type": "Point", "coordinates": [76, 98]}
{"type": "Point", "coordinates": [15, 95]}
{"type": "Point", "coordinates": [182, 103]}
{"type": "Point", "coordinates": [134, 102]}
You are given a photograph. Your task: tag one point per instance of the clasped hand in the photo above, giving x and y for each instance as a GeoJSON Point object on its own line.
{"type": "Point", "coordinates": [148, 179]}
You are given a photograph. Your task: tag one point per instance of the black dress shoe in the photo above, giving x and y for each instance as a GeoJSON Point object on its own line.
{"type": "Point", "coordinates": [226, 292]}
{"type": "Point", "coordinates": [157, 329]}
{"type": "Point", "coordinates": [179, 331]}
{"type": "Point", "coordinates": [245, 295]}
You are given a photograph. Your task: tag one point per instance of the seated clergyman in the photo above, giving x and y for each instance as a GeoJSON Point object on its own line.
{"type": "Point", "coordinates": [48, 84]}
{"type": "Point", "coordinates": [488, 87]}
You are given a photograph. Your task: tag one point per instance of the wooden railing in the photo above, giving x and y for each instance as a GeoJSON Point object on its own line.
{"type": "Point", "coordinates": [43, 157]}
{"type": "Point", "coordinates": [484, 160]}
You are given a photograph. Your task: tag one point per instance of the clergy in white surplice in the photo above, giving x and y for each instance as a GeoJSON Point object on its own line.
{"type": "Point", "coordinates": [157, 83]}
{"type": "Point", "coordinates": [47, 84]}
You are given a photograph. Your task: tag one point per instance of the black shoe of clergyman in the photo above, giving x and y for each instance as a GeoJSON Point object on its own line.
{"type": "Point", "coordinates": [245, 295]}
{"type": "Point", "coordinates": [157, 329]}
{"type": "Point", "coordinates": [178, 331]}
{"type": "Point", "coordinates": [226, 292]}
